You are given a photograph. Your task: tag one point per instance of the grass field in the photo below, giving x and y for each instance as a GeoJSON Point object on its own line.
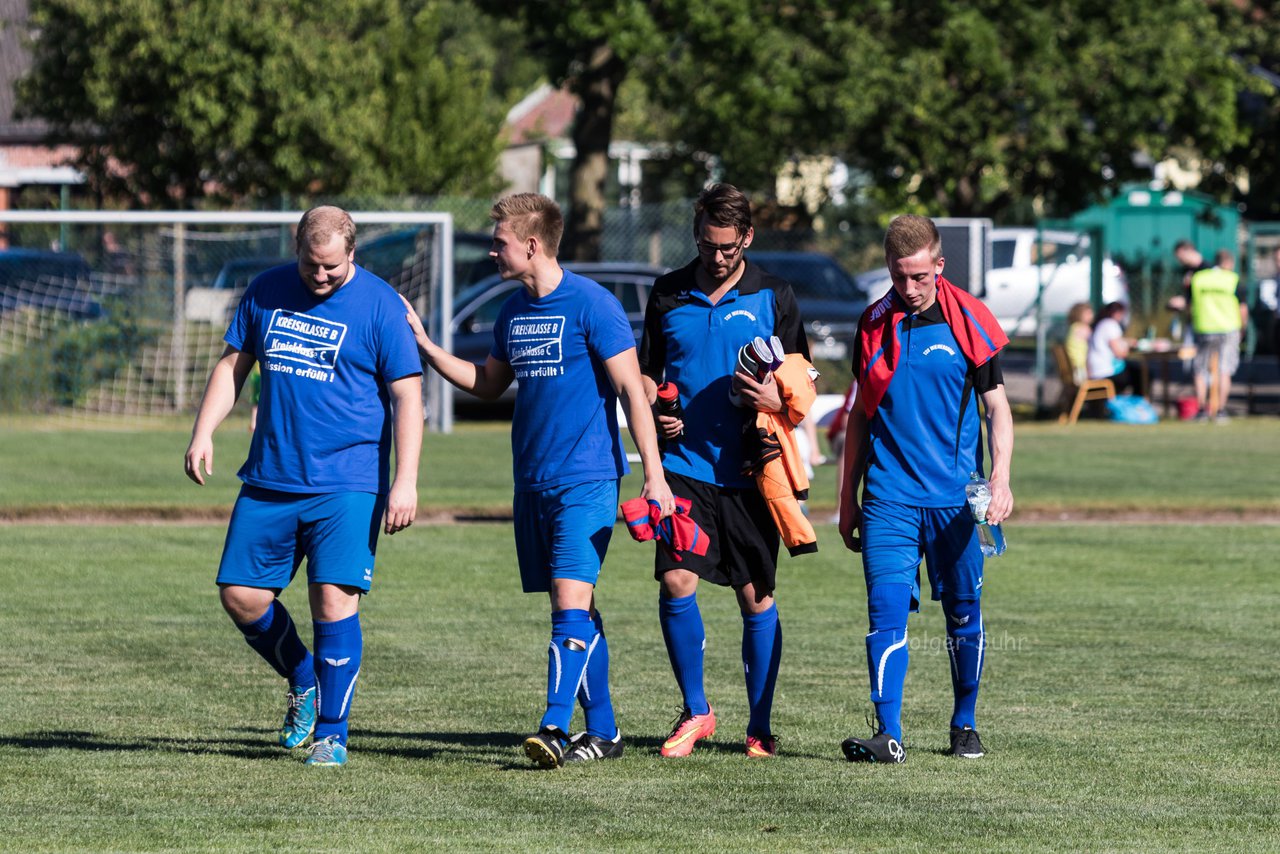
{"type": "Point", "coordinates": [1091, 467]}
{"type": "Point", "coordinates": [1129, 699]}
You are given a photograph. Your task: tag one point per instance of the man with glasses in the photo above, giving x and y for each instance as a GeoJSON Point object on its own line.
{"type": "Point", "coordinates": [697, 319]}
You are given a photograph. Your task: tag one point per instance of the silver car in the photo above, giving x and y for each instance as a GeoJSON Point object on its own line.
{"type": "Point", "coordinates": [476, 308]}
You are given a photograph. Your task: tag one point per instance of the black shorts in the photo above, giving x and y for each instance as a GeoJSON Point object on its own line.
{"type": "Point", "coordinates": [743, 538]}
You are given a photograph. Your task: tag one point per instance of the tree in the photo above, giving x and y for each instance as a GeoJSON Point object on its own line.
{"type": "Point", "coordinates": [987, 106]}
{"type": "Point", "coordinates": [961, 107]}
{"type": "Point", "coordinates": [172, 102]}
{"type": "Point", "coordinates": [1253, 27]}
{"type": "Point", "coordinates": [588, 46]}
{"type": "Point", "coordinates": [756, 83]}
{"type": "Point", "coordinates": [742, 79]}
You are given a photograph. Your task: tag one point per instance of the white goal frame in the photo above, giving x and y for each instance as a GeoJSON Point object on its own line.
{"type": "Point", "coordinates": [438, 394]}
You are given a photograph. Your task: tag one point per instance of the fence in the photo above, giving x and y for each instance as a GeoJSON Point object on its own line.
{"type": "Point", "coordinates": [110, 315]}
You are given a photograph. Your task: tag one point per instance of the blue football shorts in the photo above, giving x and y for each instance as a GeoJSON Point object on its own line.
{"type": "Point", "coordinates": [564, 532]}
{"type": "Point", "coordinates": [271, 532]}
{"type": "Point", "coordinates": [895, 537]}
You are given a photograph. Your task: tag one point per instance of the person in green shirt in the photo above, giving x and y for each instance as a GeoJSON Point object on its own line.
{"type": "Point", "coordinates": [1217, 317]}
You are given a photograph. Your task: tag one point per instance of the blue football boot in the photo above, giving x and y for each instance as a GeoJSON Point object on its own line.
{"type": "Point", "coordinates": [301, 708]}
{"type": "Point", "coordinates": [328, 752]}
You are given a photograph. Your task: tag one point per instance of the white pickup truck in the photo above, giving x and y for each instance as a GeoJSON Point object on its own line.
{"type": "Point", "coordinates": [1023, 259]}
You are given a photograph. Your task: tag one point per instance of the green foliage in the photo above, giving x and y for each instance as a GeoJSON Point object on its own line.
{"type": "Point", "coordinates": [987, 108]}
{"type": "Point", "coordinates": [170, 102]}
{"type": "Point", "coordinates": [951, 108]}
{"type": "Point", "coordinates": [1253, 27]}
{"type": "Point", "coordinates": [588, 46]}
{"type": "Point", "coordinates": [756, 82]}
{"type": "Point", "coordinates": [72, 360]}
{"type": "Point", "coordinates": [982, 106]}
{"type": "Point", "coordinates": [495, 43]}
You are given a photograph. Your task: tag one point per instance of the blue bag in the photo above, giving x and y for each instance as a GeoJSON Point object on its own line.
{"type": "Point", "coordinates": [1131, 409]}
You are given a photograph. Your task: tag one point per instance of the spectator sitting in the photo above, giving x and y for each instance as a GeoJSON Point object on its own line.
{"type": "Point", "coordinates": [1108, 348]}
{"type": "Point", "coordinates": [1079, 330]}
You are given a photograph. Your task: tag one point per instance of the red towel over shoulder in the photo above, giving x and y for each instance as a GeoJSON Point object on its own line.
{"type": "Point", "coordinates": [975, 327]}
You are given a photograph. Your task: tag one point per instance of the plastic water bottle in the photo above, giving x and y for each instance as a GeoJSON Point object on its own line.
{"type": "Point", "coordinates": [669, 402]}
{"type": "Point", "coordinates": [990, 537]}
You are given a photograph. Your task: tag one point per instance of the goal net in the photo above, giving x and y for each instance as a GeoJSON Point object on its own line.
{"type": "Point", "coordinates": [115, 315]}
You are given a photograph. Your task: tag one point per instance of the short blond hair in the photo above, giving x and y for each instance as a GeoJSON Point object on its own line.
{"type": "Point", "coordinates": [321, 223]}
{"type": "Point", "coordinates": [532, 215]}
{"type": "Point", "coordinates": [908, 234]}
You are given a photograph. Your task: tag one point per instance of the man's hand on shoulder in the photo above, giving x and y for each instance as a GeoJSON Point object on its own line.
{"type": "Point", "coordinates": [415, 323]}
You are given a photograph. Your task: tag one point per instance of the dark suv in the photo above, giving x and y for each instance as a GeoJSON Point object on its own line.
{"type": "Point", "coordinates": [47, 281]}
{"type": "Point", "coordinates": [830, 301]}
{"type": "Point", "coordinates": [390, 254]}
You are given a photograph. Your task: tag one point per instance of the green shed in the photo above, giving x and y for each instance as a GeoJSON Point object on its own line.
{"type": "Point", "coordinates": [1140, 226]}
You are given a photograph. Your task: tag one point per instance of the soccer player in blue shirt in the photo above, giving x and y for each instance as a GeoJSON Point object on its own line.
{"type": "Point", "coordinates": [570, 345]}
{"type": "Point", "coordinates": [924, 355]}
{"type": "Point", "coordinates": [340, 377]}
{"type": "Point", "coordinates": [697, 319]}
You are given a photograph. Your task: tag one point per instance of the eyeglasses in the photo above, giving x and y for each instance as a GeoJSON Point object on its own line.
{"type": "Point", "coordinates": [729, 250]}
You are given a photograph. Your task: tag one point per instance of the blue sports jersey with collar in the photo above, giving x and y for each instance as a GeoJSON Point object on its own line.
{"type": "Point", "coordinates": [565, 426]}
{"type": "Point", "coordinates": [914, 457]}
{"type": "Point", "coordinates": [694, 344]}
{"type": "Point", "coordinates": [324, 417]}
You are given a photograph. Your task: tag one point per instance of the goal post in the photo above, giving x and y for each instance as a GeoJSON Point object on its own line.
{"type": "Point", "coordinates": [112, 314]}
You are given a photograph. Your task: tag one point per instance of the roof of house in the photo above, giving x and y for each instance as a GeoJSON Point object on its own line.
{"type": "Point", "coordinates": [545, 113]}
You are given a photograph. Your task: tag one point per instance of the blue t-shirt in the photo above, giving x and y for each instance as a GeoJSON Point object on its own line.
{"type": "Point", "coordinates": [921, 448]}
{"type": "Point", "coordinates": [565, 426]}
{"type": "Point", "coordinates": [694, 344]}
{"type": "Point", "coordinates": [324, 417]}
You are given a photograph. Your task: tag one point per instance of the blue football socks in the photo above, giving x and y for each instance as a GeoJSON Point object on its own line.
{"type": "Point", "coordinates": [685, 638]}
{"type": "Point", "coordinates": [338, 650]}
{"type": "Point", "coordinates": [274, 637]}
{"type": "Point", "coordinates": [966, 642]}
{"type": "Point", "coordinates": [887, 655]}
{"type": "Point", "coordinates": [571, 635]}
{"type": "Point", "coordinates": [761, 653]}
{"type": "Point", "coordinates": [593, 693]}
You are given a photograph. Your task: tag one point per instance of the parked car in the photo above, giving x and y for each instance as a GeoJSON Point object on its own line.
{"type": "Point", "coordinates": [471, 261]}
{"type": "Point", "coordinates": [387, 256]}
{"type": "Point", "coordinates": [476, 308]}
{"type": "Point", "coordinates": [215, 303]}
{"type": "Point", "coordinates": [830, 300]}
{"type": "Point", "coordinates": [1020, 259]}
{"type": "Point", "coordinates": [47, 281]}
